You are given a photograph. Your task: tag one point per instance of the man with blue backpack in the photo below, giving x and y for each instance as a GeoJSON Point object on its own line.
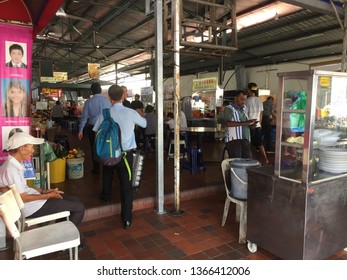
{"type": "Point", "coordinates": [126, 118]}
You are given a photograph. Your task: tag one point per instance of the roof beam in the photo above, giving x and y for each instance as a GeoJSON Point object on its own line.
{"type": "Point", "coordinates": [317, 6]}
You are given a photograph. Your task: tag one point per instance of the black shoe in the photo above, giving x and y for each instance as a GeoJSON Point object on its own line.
{"type": "Point", "coordinates": [81, 246]}
{"type": "Point", "coordinates": [127, 224]}
{"type": "Point", "coordinates": [104, 199]}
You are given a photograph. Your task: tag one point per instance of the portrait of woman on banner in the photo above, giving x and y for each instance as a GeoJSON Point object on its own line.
{"type": "Point", "coordinates": [15, 98]}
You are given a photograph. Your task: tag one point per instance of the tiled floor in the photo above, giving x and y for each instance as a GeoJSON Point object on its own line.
{"type": "Point", "coordinates": [197, 234]}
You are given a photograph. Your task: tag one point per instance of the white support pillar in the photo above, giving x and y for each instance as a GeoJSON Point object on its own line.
{"type": "Point", "coordinates": [160, 104]}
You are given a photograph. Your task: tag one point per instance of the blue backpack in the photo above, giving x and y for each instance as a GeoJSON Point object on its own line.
{"type": "Point", "coordinates": [108, 147]}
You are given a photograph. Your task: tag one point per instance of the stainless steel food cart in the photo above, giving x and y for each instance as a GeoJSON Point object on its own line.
{"type": "Point", "coordinates": [297, 208]}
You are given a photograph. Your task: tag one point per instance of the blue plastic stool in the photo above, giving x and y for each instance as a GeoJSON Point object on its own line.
{"type": "Point", "coordinates": [195, 160]}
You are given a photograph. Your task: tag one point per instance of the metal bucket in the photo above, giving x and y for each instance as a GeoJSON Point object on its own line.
{"type": "Point", "coordinates": [239, 177]}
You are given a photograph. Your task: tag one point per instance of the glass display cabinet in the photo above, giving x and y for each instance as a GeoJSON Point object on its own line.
{"type": "Point", "coordinates": [297, 208]}
{"type": "Point", "coordinates": [311, 141]}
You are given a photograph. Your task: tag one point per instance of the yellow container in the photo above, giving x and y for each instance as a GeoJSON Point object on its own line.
{"type": "Point", "coordinates": [30, 183]}
{"type": "Point", "coordinates": [57, 170]}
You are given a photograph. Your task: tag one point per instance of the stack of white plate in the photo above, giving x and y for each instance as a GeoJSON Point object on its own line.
{"type": "Point", "coordinates": [333, 160]}
{"type": "Point", "coordinates": [326, 137]}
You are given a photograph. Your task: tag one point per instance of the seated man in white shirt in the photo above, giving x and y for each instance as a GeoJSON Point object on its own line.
{"type": "Point", "coordinates": [37, 202]}
{"type": "Point", "coordinates": [171, 120]}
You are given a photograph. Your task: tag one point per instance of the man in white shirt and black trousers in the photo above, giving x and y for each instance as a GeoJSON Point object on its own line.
{"type": "Point", "coordinates": [126, 118]}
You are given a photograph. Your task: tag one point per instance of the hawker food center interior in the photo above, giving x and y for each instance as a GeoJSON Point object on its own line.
{"type": "Point", "coordinates": [228, 139]}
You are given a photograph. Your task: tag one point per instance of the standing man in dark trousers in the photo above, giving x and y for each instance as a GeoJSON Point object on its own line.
{"type": "Point", "coordinates": [255, 111]}
{"type": "Point", "coordinates": [268, 116]}
{"type": "Point", "coordinates": [91, 110]}
{"type": "Point", "coordinates": [238, 135]}
{"type": "Point", "coordinates": [139, 133]}
{"type": "Point", "coordinates": [126, 118]}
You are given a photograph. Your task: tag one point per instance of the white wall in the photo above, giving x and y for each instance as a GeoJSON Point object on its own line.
{"type": "Point", "coordinates": [185, 84]}
{"type": "Point", "coordinates": [263, 76]}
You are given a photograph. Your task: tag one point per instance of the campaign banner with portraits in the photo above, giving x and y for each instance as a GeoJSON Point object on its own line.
{"type": "Point", "coordinates": [15, 80]}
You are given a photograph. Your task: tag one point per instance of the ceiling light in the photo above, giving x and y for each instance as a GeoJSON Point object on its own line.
{"type": "Point", "coordinates": [60, 13]}
{"type": "Point", "coordinates": [268, 12]}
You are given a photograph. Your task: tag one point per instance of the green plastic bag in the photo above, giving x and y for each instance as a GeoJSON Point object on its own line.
{"type": "Point", "coordinates": [297, 120]}
{"type": "Point", "coordinates": [48, 152]}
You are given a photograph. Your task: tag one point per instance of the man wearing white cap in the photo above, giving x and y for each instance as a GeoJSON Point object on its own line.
{"type": "Point", "coordinates": [37, 202]}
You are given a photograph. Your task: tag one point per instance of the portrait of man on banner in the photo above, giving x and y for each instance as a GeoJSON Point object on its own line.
{"type": "Point", "coordinates": [16, 54]}
{"type": "Point", "coordinates": [15, 98]}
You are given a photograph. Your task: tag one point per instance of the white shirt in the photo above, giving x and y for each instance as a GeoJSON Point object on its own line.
{"type": "Point", "coordinates": [182, 124]}
{"type": "Point", "coordinates": [12, 172]}
{"type": "Point", "coordinates": [126, 118]}
{"type": "Point", "coordinates": [171, 124]}
{"type": "Point", "coordinates": [254, 108]}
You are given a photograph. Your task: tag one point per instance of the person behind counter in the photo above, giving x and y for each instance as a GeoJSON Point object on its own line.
{"type": "Point", "coordinates": [237, 135]}
{"type": "Point", "coordinates": [57, 113]}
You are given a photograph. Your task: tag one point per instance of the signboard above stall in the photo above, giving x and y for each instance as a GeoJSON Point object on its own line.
{"type": "Point", "coordinates": [52, 92]}
{"type": "Point", "coordinates": [206, 96]}
{"type": "Point", "coordinates": [205, 84]}
{"type": "Point", "coordinates": [57, 77]}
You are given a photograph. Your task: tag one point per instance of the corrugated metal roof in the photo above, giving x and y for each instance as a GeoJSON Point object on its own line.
{"type": "Point", "coordinates": [119, 31]}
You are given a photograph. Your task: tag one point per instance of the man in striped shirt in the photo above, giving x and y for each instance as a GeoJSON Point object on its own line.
{"type": "Point", "coordinates": [237, 137]}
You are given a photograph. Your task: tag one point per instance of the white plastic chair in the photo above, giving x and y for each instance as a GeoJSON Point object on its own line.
{"type": "Point", "coordinates": [241, 205]}
{"type": "Point", "coordinates": [28, 222]}
{"type": "Point", "coordinates": [39, 241]}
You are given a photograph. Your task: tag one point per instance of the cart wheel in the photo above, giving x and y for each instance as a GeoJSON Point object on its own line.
{"type": "Point", "coordinates": [252, 247]}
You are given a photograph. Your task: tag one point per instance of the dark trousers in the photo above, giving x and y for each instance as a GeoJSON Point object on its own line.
{"type": "Point", "coordinates": [126, 189]}
{"type": "Point", "coordinates": [91, 138]}
{"type": "Point", "coordinates": [266, 127]}
{"type": "Point", "coordinates": [139, 135]}
{"type": "Point", "coordinates": [68, 203]}
{"type": "Point", "coordinates": [240, 148]}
